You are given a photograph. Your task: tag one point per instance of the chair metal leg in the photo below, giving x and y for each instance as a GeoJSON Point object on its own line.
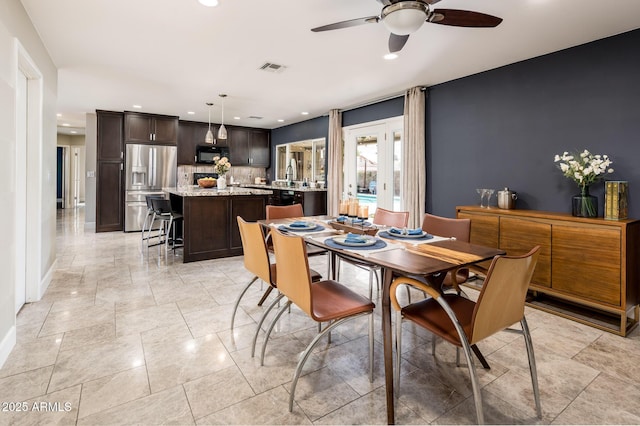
{"type": "Point", "coordinates": [264, 317]}
{"type": "Point", "coordinates": [370, 284]}
{"type": "Point", "coordinates": [532, 365]}
{"type": "Point", "coordinates": [235, 307]}
{"type": "Point", "coordinates": [307, 352]}
{"type": "Point", "coordinates": [270, 329]}
{"type": "Point", "coordinates": [475, 383]}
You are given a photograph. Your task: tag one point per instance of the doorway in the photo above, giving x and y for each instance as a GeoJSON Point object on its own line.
{"type": "Point", "coordinates": [60, 177]}
{"type": "Point", "coordinates": [22, 96]}
{"type": "Point", "coordinates": [372, 163]}
{"type": "Point", "coordinates": [29, 103]}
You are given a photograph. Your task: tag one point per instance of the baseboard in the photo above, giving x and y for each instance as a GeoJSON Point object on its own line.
{"type": "Point", "coordinates": [7, 344]}
{"type": "Point", "coordinates": [46, 280]}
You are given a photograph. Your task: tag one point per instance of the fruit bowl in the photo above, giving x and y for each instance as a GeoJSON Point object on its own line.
{"type": "Point", "coordinates": [207, 182]}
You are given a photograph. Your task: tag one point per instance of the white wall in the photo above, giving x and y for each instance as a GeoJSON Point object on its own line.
{"type": "Point", "coordinates": [15, 24]}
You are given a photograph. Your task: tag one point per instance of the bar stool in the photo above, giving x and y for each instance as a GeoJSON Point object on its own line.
{"type": "Point", "coordinates": [162, 211]}
{"type": "Point", "coordinates": [148, 216]}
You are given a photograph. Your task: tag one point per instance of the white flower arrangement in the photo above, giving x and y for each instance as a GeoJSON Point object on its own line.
{"type": "Point", "coordinates": [221, 166]}
{"type": "Point", "coordinates": [584, 168]}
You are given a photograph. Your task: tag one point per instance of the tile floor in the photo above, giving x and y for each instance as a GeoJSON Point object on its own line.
{"type": "Point", "coordinates": [129, 336]}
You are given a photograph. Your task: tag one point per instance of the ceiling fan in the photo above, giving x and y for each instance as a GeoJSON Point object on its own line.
{"type": "Point", "coordinates": [403, 17]}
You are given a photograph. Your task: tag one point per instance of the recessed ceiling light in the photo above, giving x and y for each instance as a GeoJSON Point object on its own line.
{"type": "Point", "coordinates": [236, 118]}
{"type": "Point", "coordinates": [59, 115]}
{"type": "Point", "coordinates": [190, 112]}
{"type": "Point", "coordinates": [209, 3]}
{"type": "Point", "coordinates": [73, 132]}
{"type": "Point", "coordinates": [390, 56]}
{"type": "Point", "coordinates": [280, 120]}
{"type": "Point", "coordinates": [305, 113]}
{"type": "Point", "coordinates": [137, 106]}
{"type": "Point", "coordinates": [66, 124]}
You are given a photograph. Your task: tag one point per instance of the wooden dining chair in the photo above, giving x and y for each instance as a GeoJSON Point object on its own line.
{"type": "Point", "coordinates": [283, 212]}
{"type": "Point", "coordinates": [381, 217]}
{"type": "Point", "coordinates": [324, 301]}
{"type": "Point", "coordinates": [459, 229]}
{"type": "Point", "coordinates": [295, 210]}
{"type": "Point", "coordinates": [256, 260]}
{"type": "Point", "coordinates": [463, 322]}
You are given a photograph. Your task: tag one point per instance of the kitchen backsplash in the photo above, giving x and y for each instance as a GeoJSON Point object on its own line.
{"type": "Point", "coordinates": [239, 174]}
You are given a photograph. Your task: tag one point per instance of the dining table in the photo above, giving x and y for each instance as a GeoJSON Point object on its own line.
{"type": "Point", "coordinates": [396, 254]}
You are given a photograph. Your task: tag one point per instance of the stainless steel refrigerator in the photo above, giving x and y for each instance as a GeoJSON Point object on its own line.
{"type": "Point", "coordinates": [148, 169]}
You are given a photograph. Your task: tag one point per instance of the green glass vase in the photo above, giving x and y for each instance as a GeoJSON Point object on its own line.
{"type": "Point", "coordinates": [584, 205]}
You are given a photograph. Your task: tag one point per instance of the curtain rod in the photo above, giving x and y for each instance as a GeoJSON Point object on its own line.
{"type": "Point", "coordinates": [375, 101]}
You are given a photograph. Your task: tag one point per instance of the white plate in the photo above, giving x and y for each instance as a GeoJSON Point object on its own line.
{"type": "Point", "coordinates": [342, 241]}
{"type": "Point", "coordinates": [308, 226]}
{"type": "Point", "coordinates": [393, 234]}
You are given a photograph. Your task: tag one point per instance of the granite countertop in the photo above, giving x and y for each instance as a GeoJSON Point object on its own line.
{"type": "Point", "coordinates": [282, 187]}
{"type": "Point", "coordinates": [196, 191]}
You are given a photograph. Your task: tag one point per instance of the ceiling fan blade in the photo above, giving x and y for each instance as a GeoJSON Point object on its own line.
{"type": "Point", "coordinates": [347, 24]}
{"type": "Point", "coordinates": [463, 18]}
{"type": "Point", "coordinates": [397, 42]}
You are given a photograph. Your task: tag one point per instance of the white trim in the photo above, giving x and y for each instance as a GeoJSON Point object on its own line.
{"type": "Point", "coordinates": [46, 280]}
{"type": "Point", "coordinates": [7, 345]}
{"type": "Point", "coordinates": [33, 173]}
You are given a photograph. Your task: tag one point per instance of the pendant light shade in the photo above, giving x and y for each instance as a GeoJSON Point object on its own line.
{"type": "Point", "coordinates": [209, 137]}
{"type": "Point", "coordinates": [222, 132]}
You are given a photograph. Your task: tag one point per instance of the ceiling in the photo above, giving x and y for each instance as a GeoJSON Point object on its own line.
{"type": "Point", "coordinates": [173, 56]}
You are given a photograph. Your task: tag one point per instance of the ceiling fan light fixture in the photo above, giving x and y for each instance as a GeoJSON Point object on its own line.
{"type": "Point", "coordinates": [404, 17]}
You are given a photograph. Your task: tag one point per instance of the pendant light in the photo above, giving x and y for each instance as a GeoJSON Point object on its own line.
{"type": "Point", "coordinates": [222, 133]}
{"type": "Point", "coordinates": [209, 138]}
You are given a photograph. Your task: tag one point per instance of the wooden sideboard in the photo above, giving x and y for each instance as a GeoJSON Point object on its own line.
{"type": "Point", "coordinates": [588, 269]}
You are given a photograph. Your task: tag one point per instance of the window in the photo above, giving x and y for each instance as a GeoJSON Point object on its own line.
{"type": "Point", "coordinates": [302, 160]}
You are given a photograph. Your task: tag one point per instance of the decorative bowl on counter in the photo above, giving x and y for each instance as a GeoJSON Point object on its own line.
{"type": "Point", "coordinates": [207, 182]}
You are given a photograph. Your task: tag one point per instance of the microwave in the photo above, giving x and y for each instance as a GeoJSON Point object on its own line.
{"type": "Point", "coordinates": [206, 153]}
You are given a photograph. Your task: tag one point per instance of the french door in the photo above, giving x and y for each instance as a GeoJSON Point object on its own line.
{"type": "Point", "coordinates": [372, 161]}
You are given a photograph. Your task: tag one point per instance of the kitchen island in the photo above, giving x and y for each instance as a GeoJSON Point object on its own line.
{"type": "Point", "coordinates": [210, 227]}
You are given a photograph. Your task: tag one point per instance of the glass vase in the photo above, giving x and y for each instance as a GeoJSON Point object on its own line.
{"type": "Point", "coordinates": [584, 205]}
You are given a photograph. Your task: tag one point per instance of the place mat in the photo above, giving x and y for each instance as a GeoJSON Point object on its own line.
{"type": "Point", "coordinates": [387, 234]}
{"type": "Point", "coordinates": [378, 245]}
{"type": "Point", "coordinates": [318, 228]}
{"type": "Point", "coordinates": [445, 254]}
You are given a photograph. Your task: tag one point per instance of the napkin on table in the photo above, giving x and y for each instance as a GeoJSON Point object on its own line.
{"type": "Point", "coordinates": [397, 231]}
{"type": "Point", "coordinates": [354, 238]}
{"type": "Point", "coordinates": [299, 224]}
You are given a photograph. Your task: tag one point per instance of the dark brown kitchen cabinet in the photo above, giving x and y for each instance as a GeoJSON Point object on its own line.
{"type": "Point", "coordinates": [150, 128]}
{"type": "Point", "coordinates": [249, 147]}
{"type": "Point", "coordinates": [109, 172]}
{"type": "Point", "coordinates": [190, 135]}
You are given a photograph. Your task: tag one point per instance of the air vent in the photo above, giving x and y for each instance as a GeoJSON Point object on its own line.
{"type": "Point", "coordinates": [270, 67]}
{"type": "Point", "coordinates": [255, 117]}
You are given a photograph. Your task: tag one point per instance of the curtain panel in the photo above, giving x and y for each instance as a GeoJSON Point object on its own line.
{"type": "Point", "coordinates": [414, 182]}
{"type": "Point", "coordinates": [334, 159]}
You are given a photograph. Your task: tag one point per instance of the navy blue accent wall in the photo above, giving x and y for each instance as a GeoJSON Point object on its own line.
{"type": "Point", "coordinates": [319, 127]}
{"type": "Point", "coordinates": [504, 126]}
{"type": "Point", "coordinates": [378, 111]}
